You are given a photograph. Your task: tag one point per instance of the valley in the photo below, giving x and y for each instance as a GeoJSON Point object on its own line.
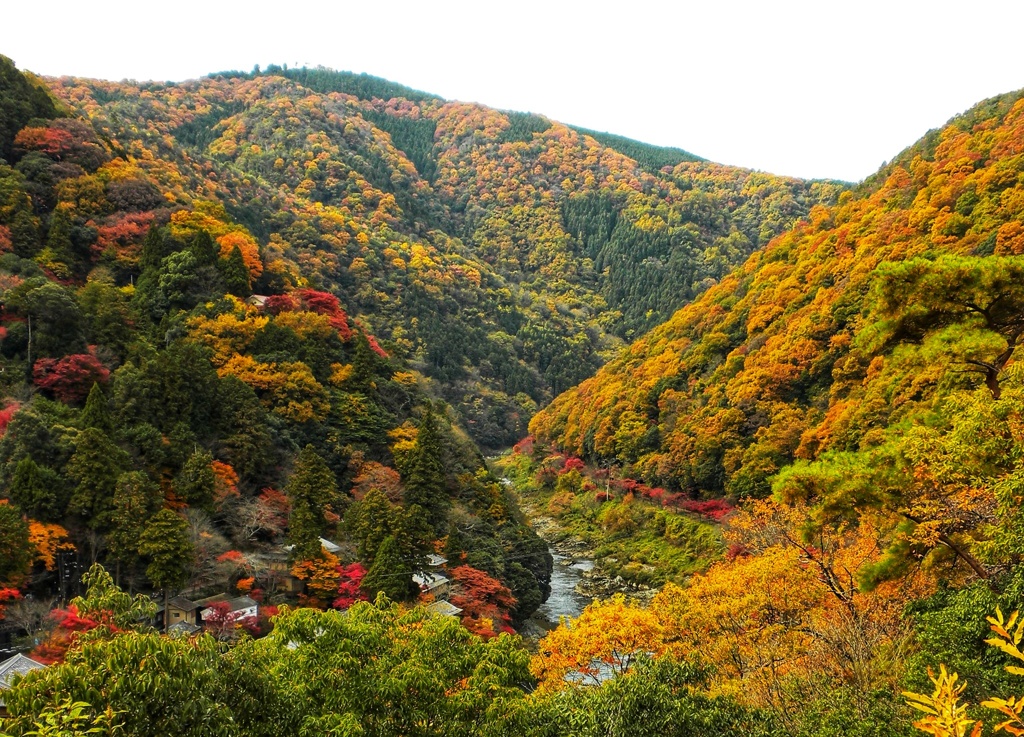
{"type": "Point", "coordinates": [330, 406]}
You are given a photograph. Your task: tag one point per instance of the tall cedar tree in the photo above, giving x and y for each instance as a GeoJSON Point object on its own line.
{"type": "Point", "coordinates": [390, 573]}
{"type": "Point", "coordinates": [29, 490]}
{"type": "Point", "coordinates": [424, 472]}
{"type": "Point", "coordinates": [96, 414]}
{"type": "Point", "coordinates": [15, 551]}
{"type": "Point", "coordinates": [364, 365]}
{"type": "Point", "coordinates": [310, 490]}
{"type": "Point", "coordinates": [235, 273]}
{"type": "Point", "coordinates": [94, 468]}
{"type": "Point", "coordinates": [135, 499]}
{"type": "Point", "coordinates": [165, 543]}
{"type": "Point", "coordinates": [196, 481]}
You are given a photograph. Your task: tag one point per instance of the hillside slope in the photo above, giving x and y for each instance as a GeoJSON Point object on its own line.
{"type": "Point", "coordinates": [857, 318]}
{"type": "Point", "coordinates": [146, 395]}
{"type": "Point", "coordinates": [504, 254]}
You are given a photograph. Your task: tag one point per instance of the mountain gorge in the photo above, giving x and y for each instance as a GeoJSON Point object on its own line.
{"type": "Point", "coordinates": [259, 330]}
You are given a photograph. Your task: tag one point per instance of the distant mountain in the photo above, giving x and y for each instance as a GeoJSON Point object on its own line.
{"type": "Point", "coordinates": [504, 254]}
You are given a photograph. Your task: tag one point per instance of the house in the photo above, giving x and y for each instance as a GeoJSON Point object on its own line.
{"type": "Point", "coordinates": [432, 583]}
{"type": "Point", "coordinates": [281, 567]}
{"type": "Point", "coordinates": [238, 608]}
{"type": "Point", "coordinates": [18, 665]}
{"type": "Point", "coordinates": [443, 608]}
{"type": "Point", "coordinates": [327, 545]}
{"type": "Point", "coordinates": [257, 300]}
{"type": "Point", "coordinates": [183, 629]}
{"type": "Point", "coordinates": [179, 609]}
{"type": "Point", "coordinates": [435, 561]}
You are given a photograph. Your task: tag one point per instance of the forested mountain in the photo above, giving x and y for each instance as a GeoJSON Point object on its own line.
{"type": "Point", "coordinates": [505, 255]}
{"type": "Point", "coordinates": [256, 328]}
{"type": "Point", "coordinates": [861, 319]}
{"type": "Point", "coordinates": [855, 388]}
{"type": "Point", "coordinates": [158, 419]}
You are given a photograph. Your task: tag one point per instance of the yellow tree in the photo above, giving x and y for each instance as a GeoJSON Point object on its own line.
{"type": "Point", "coordinates": [604, 640]}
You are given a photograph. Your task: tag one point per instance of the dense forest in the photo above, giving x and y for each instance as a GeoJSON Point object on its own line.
{"type": "Point", "coordinates": [853, 389]}
{"type": "Point", "coordinates": [160, 420]}
{"type": "Point", "coordinates": [503, 255]}
{"type": "Point", "coordinates": [258, 330]}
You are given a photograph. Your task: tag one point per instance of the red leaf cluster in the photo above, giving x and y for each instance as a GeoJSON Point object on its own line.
{"type": "Point", "coordinates": [572, 464]}
{"type": "Point", "coordinates": [712, 509]}
{"type": "Point", "coordinates": [69, 379]}
{"type": "Point", "coordinates": [324, 303]}
{"type": "Point", "coordinates": [482, 599]}
{"type": "Point", "coordinates": [6, 415]}
{"type": "Point", "coordinates": [348, 588]}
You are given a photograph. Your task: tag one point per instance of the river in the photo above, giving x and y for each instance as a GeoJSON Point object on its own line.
{"type": "Point", "coordinates": [564, 601]}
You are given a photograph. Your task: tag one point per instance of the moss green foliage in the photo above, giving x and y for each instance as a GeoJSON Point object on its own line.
{"type": "Point", "coordinates": [641, 541]}
{"type": "Point", "coordinates": [375, 670]}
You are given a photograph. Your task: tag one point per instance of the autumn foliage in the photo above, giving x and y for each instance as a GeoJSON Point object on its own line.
{"type": "Point", "coordinates": [70, 378]}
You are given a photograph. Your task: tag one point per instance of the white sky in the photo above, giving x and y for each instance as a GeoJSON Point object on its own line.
{"type": "Point", "coordinates": [810, 88]}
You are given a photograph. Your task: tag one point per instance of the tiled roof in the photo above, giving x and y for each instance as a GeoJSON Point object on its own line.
{"type": "Point", "coordinates": [18, 665]}
{"type": "Point", "coordinates": [444, 608]}
{"type": "Point", "coordinates": [428, 580]}
{"type": "Point", "coordinates": [180, 602]}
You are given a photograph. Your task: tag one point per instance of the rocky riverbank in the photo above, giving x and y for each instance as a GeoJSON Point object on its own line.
{"type": "Point", "coordinates": [593, 583]}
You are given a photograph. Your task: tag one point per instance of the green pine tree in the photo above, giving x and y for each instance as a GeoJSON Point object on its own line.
{"type": "Point", "coordinates": [371, 521]}
{"type": "Point", "coordinates": [15, 550]}
{"type": "Point", "coordinates": [235, 273]}
{"type": "Point", "coordinates": [31, 492]}
{"type": "Point", "coordinates": [58, 240]}
{"type": "Point", "coordinates": [204, 249]}
{"type": "Point", "coordinates": [135, 499]}
{"type": "Point", "coordinates": [390, 574]}
{"type": "Point", "coordinates": [364, 366]}
{"type": "Point", "coordinates": [94, 469]}
{"type": "Point", "coordinates": [196, 481]}
{"type": "Point", "coordinates": [96, 413]}
{"type": "Point", "coordinates": [165, 543]}
{"type": "Point", "coordinates": [311, 489]}
{"type": "Point", "coordinates": [424, 473]}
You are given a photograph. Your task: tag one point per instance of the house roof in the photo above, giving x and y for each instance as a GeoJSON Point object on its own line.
{"type": "Point", "coordinates": [257, 299]}
{"type": "Point", "coordinates": [329, 546]}
{"type": "Point", "coordinates": [180, 602]}
{"type": "Point", "coordinates": [326, 544]}
{"type": "Point", "coordinates": [183, 629]}
{"type": "Point", "coordinates": [435, 561]}
{"type": "Point", "coordinates": [212, 600]}
{"type": "Point", "coordinates": [234, 605]}
{"type": "Point", "coordinates": [444, 608]}
{"type": "Point", "coordinates": [18, 665]}
{"type": "Point", "coordinates": [428, 580]}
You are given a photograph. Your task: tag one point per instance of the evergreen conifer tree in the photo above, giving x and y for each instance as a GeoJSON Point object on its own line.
{"type": "Point", "coordinates": [29, 490]}
{"type": "Point", "coordinates": [135, 498]}
{"type": "Point", "coordinates": [424, 474]}
{"type": "Point", "coordinates": [235, 273]}
{"type": "Point", "coordinates": [96, 413]}
{"type": "Point", "coordinates": [165, 543]}
{"type": "Point", "coordinates": [390, 574]}
{"type": "Point", "coordinates": [15, 550]}
{"type": "Point", "coordinates": [311, 488]}
{"type": "Point", "coordinates": [195, 481]}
